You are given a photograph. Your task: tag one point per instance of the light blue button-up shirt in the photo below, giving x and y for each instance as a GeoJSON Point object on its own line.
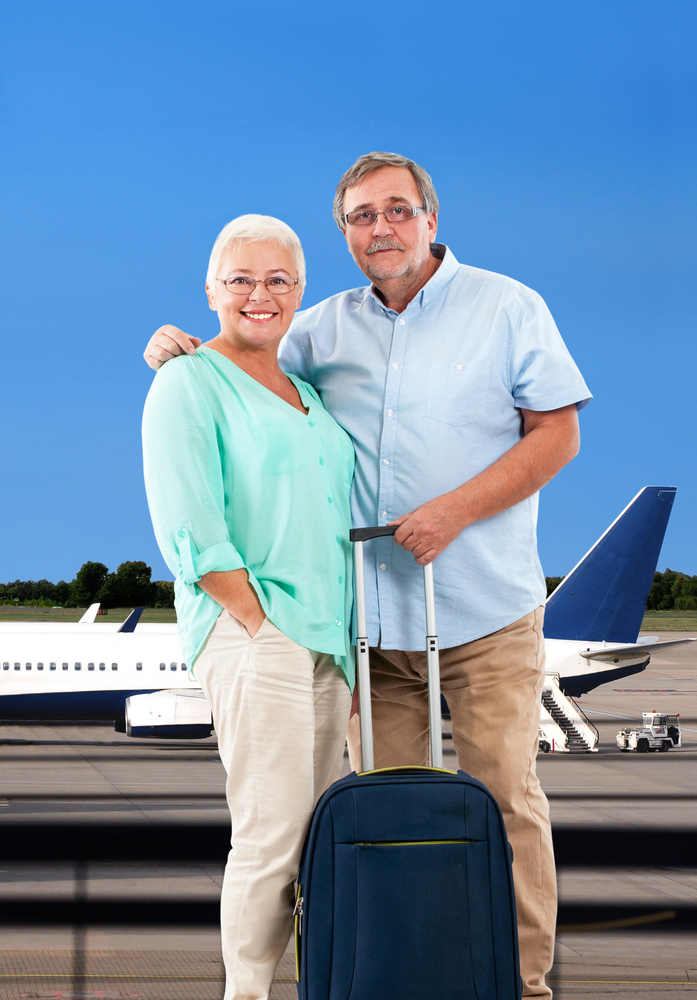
{"type": "Point", "coordinates": [431, 397]}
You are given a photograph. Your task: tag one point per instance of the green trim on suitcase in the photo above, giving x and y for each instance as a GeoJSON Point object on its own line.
{"type": "Point", "coordinates": [407, 767]}
{"type": "Point", "coordinates": [410, 843]}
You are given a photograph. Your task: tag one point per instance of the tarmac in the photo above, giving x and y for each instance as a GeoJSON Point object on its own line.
{"type": "Point", "coordinates": [88, 773]}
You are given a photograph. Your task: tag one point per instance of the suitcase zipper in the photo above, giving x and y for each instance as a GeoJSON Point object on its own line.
{"type": "Point", "coordinates": [298, 914]}
{"type": "Point", "coordinates": [410, 843]}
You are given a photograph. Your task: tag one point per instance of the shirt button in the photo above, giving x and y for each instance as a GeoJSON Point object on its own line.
{"type": "Point", "coordinates": [458, 367]}
{"type": "Point", "coordinates": [395, 366]}
{"type": "Point", "coordinates": [321, 461]}
{"type": "Point", "coordinates": [384, 514]}
{"type": "Point", "coordinates": [338, 621]}
{"type": "Point", "coordinates": [341, 579]}
{"type": "Point", "coordinates": [310, 423]}
{"type": "Point", "coordinates": [390, 413]}
{"type": "Point", "coordinates": [383, 566]}
{"type": "Point", "coordinates": [330, 500]}
{"type": "Point", "coordinates": [385, 461]}
{"type": "Point", "coordinates": [181, 533]}
{"type": "Point", "coordinates": [401, 322]}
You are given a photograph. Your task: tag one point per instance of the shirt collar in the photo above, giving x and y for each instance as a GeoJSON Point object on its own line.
{"type": "Point", "coordinates": [445, 274]}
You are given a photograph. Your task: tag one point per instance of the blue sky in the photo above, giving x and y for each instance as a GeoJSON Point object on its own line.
{"type": "Point", "coordinates": [560, 137]}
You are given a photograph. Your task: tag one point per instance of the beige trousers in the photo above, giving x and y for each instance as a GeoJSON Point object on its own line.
{"type": "Point", "coordinates": [493, 687]}
{"type": "Point", "coordinates": [280, 713]}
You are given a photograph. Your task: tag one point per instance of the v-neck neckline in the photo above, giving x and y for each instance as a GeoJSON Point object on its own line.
{"type": "Point", "coordinates": [300, 389]}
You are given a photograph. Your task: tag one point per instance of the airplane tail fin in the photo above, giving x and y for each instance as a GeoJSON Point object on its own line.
{"type": "Point", "coordinates": [603, 598]}
{"type": "Point", "coordinates": [130, 624]}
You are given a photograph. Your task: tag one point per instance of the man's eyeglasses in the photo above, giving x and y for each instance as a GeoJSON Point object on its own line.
{"type": "Point", "coordinates": [368, 217]}
{"type": "Point", "coordinates": [241, 284]}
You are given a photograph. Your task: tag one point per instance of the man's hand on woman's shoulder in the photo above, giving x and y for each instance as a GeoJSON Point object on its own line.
{"type": "Point", "coordinates": [166, 343]}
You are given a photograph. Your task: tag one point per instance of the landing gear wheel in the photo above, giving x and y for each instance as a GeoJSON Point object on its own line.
{"type": "Point", "coordinates": [642, 746]}
{"type": "Point", "coordinates": [545, 747]}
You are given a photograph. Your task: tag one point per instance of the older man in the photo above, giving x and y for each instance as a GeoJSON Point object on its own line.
{"type": "Point", "coordinates": [462, 401]}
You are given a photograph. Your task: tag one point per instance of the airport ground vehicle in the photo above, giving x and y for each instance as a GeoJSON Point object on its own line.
{"type": "Point", "coordinates": [658, 732]}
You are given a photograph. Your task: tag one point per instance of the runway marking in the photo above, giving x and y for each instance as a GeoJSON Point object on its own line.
{"type": "Point", "coordinates": [628, 982]}
{"type": "Point", "coordinates": [609, 925]}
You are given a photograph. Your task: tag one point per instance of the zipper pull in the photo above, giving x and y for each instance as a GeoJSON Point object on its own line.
{"type": "Point", "coordinates": [298, 911]}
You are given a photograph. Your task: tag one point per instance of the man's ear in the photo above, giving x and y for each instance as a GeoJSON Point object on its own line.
{"type": "Point", "coordinates": [432, 227]}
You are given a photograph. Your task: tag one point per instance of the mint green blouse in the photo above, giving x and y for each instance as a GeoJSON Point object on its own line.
{"type": "Point", "coordinates": [237, 478]}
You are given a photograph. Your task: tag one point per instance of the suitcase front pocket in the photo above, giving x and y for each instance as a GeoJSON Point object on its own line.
{"type": "Point", "coordinates": [402, 927]}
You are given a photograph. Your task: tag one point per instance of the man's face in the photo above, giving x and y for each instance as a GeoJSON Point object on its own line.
{"type": "Point", "coordinates": [389, 249]}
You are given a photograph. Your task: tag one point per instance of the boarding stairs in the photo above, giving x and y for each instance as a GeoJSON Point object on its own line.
{"type": "Point", "coordinates": [566, 727]}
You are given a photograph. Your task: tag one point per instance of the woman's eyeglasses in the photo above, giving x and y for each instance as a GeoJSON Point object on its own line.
{"type": "Point", "coordinates": [240, 284]}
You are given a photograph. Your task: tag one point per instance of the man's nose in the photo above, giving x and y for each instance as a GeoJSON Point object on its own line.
{"type": "Point", "coordinates": [382, 227]}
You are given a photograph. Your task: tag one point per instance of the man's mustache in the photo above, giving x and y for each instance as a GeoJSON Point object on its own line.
{"type": "Point", "coordinates": [386, 243]}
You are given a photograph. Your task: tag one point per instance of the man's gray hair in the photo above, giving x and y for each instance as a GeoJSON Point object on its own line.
{"type": "Point", "coordinates": [256, 229]}
{"type": "Point", "coordinates": [369, 162]}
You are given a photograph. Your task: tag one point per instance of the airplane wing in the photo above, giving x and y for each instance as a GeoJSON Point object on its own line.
{"type": "Point", "coordinates": [89, 615]}
{"type": "Point", "coordinates": [130, 624]}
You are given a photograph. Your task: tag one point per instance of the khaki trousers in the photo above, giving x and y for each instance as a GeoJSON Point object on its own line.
{"type": "Point", "coordinates": [493, 687]}
{"type": "Point", "coordinates": [280, 713]}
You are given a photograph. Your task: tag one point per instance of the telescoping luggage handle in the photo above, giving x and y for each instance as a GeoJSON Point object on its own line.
{"type": "Point", "coordinates": [358, 536]}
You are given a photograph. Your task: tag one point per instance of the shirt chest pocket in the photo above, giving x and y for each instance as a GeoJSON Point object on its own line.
{"type": "Point", "coordinates": [457, 393]}
{"type": "Point", "coordinates": [281, 446]}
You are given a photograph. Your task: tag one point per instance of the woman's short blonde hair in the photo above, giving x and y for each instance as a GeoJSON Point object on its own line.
{"type": "Point", "coordinates": [256, 229]}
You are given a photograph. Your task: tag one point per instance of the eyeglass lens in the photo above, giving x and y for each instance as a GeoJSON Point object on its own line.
{"type": "Point", "coordinates": [242, 284]}
{"type": "Point", "coordinates": [368, 217]}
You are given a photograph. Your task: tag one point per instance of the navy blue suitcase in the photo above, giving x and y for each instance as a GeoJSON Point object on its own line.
{"type": "Point", "coordinates": [405, 890]}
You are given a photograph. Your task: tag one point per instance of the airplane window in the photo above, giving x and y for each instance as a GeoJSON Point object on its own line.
{"type": "Point", "coordinates": [163, 666]}
{"type": "Point", "coordinates": [139, 666]}
{"type": "Point", "coordinates": [90, 666]}
{"type": "Point", "coordinates": [18, 666]}
{"type": "Point", "coordinates": [102, 666]}
{"type": "Point", "coordinates": [6, 665]}
{"type": "Point", "coordinates": [78, 666]}
{"type": "Point", "coordinates": [114, 666]}
{"type": "Point", "coordinates": [183, 666]}
{"type": "Point", "coordinates": [39, 666]}
{"type": "Point", "coordinates": [65, 666]}
{"type": "Point", "coordinates": [52, 666]}
{"type": "Point", "coordinates": [28, 666]}
{"type": "Point", "coordinates": [172, 666]}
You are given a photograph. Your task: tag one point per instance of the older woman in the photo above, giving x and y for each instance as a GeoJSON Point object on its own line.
{"type": "Point", "coordinates": [248, 482]}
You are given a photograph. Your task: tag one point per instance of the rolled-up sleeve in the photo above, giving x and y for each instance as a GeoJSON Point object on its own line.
{"type": "Point", "coordinates": [183, 477]}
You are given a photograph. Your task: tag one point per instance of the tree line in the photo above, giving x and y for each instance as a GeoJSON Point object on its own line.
{"type": "Point", "coordinates": [129, 586]}
{"type": "Point", "coordinates": [670, 591]}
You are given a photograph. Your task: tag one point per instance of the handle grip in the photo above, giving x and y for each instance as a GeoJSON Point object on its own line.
{"type": "Point", "coordinates": [363, 534]}
{"type": "Point", "coordinates": [358, 536]}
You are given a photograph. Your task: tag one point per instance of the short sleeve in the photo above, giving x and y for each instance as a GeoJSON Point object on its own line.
{"type": "Point", "coordinates": [292, 355]}
{"type": "Point", "coordinates": [183, 475]}
{"type": "Point", "coordinates": [543, 375]}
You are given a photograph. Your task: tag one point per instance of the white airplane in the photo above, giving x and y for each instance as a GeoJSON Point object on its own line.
{"type": "Point", "coordinates": [137, 677]}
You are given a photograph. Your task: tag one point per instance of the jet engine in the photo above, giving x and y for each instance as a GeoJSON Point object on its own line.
{"type": "Point", "coordinates": [179, 715]}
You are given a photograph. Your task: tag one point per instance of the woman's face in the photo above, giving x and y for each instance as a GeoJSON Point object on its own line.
{"type": "Point", "coordinates": [258, 318]}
